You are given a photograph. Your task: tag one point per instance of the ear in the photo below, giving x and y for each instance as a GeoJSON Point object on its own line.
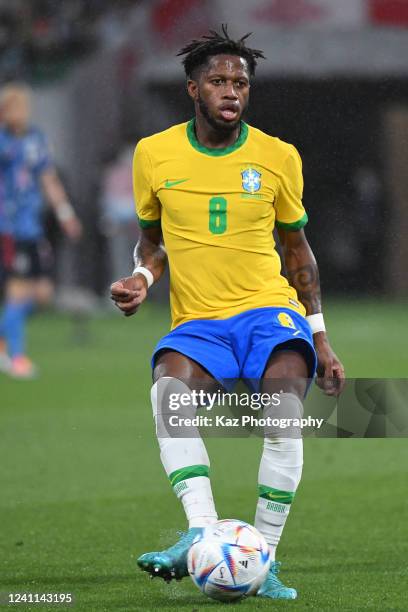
{"type": "Point", "coordinates": [192, 89]}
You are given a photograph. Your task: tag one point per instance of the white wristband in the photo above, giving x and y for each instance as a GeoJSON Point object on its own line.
{"type": "Point", "coordinates": [316, 323]}
{"type": "Point", "coordinates": [64, 212]}
{"type": "Point", "coordinates": [146, 273]}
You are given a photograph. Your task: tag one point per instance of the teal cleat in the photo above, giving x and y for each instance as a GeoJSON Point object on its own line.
{"type": "Point", "coordinates": [273, 588]}
{"type": "Point", "coordinates": [170, 563]}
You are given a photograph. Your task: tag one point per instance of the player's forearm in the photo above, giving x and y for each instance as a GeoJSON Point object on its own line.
{"type": "Point", "coordinates": [150, 252]}
{"type": "Point", "coordinates": [56, 196]}
{"type": "Point", "coordinates": [303, 273]}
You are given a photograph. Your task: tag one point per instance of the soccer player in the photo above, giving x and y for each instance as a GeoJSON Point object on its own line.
{"type": "Point", "coordinates": [209, 194]}
{"type": "Point", "coordinates": [26, 174]}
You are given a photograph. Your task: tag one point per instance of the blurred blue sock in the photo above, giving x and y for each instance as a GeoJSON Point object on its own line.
{"type": "Point", "coordinates": [13, 324]}
{"type": "Point", "coordinates": [2, 326]}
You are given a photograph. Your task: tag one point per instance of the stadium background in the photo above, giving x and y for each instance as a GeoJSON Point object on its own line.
{"type": "Point", "coordinates": [83, 491]}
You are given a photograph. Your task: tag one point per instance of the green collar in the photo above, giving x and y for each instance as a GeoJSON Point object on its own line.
{"type": "Point", "coordinates": [243, 135]}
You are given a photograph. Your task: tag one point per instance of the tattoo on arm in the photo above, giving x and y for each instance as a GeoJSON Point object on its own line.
{"type": "Point", "coordinates": [307, 284]}
{"type": "Point", "coordinates": [150, 252]}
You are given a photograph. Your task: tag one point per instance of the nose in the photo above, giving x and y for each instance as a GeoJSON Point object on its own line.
{"type": "Point", "coordinates": [229, 92]}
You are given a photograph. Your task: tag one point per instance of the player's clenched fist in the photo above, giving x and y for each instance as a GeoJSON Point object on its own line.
{"type": "Point", "coordinates": [128, 293]}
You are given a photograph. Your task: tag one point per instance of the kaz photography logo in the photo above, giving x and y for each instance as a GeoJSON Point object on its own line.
{"type": "Point", "coordinates": [367, 408]}
{"type": "Point", "coordinates": [185, 411]}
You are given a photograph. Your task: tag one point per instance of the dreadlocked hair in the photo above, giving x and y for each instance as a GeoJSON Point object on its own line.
{"type": "Point", "coordinates": [197, 52]}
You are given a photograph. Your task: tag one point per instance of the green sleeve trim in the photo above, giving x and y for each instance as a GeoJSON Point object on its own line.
{"type": "Point", "coordinates": [282, 497]}
{"type": "Point", "coordinates": [293, 227]}
{"type": "Point", "coordinates": [146, 224]}
{"type": "Point", "coordinates": [191, 471]}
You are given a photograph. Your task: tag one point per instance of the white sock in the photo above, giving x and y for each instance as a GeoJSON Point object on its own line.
{"type": "Point", "coordinates": [185, 459]}
{"type": "Point", "coordinates": [280, 471]}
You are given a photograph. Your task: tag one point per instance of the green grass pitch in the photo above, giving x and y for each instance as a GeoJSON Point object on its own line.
{"type": "Point", "coordinates": [83, 492]}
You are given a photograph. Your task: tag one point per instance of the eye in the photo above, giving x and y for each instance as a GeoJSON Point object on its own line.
{"type": "Point", "coordinates": [242, 83]}
{"type": "Point", "coordinates": [216, 81]}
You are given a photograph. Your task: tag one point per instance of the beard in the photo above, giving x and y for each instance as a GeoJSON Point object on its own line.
{"type": "Point", "coordinates": [218, 124]}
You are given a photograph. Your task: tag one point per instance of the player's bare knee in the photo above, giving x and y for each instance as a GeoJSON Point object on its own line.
{"type": "Point", "coordinates": [19, 289]}
{"type": "Point", "coordinates": [287, 368]}
{"type": "Point", "coordinates": [169, 364]}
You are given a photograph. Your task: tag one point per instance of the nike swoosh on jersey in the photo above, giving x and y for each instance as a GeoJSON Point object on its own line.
{"type": "Point", "coordinates": [169, 184]}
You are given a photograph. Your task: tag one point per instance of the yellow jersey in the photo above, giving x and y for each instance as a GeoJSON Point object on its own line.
{"type": "Point", "coordinates": [217, 209]}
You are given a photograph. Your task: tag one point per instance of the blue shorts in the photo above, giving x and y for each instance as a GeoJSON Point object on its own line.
{"type": "Point", "coordinates": [240, 347]}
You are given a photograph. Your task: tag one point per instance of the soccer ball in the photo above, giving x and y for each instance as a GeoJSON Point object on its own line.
{"type": "Point", "coordinates": [229, 560]}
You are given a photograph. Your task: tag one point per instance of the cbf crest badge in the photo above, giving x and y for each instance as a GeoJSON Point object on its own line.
{"type": "Point", "coordinates": [251, 180]}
